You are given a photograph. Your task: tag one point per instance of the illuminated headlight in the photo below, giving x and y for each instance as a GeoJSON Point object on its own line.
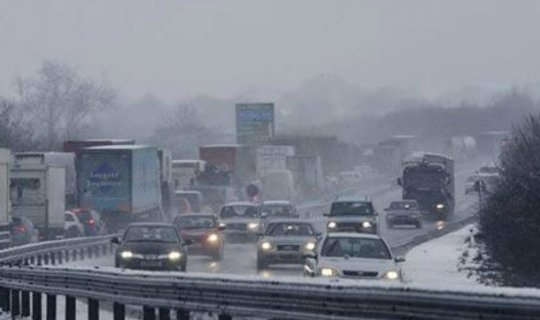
{"type": "Point", "coordinates": [310, 246]}
{"type": "Point", "coordinates": [391, 275]}
{"type": "Point", "coordinates": [253, 225]}
{"type": "Point", "coordinates": [439, 206]}
{"type": "Point", "coordinates": [126, 254]}
{"type": "Point", "coordinates": [213, 238]}
{"type": "Point", "coordinates": [174, 255]}
{"type": "Point", "coordinates": [328, 272]}
{"type": "Point", "coordinates": [366, 224]}
{"type": "Point", "coordinates": [266, 245]}
{"type": "Point", "coordinates": [331, 225]}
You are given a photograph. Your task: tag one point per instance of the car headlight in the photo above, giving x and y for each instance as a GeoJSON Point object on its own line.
{"type": "Point", "coordinates": [126, 254]}
{"type": "Point", "coordinates": [213, 238]}
{"type": "Point", "coordinates": [391, 275]}
{"type": "Point", "coordinates": [266, 245]}
{"type": "Point", "coordinates": [439, 206]}
{"type": "Point", "coordinates": [310, 246]}
{"type": "Point", "coordinates": [366, 224]}
{"type": "Point", "coordinates": [253, 225]}
{"type": "Point", "coordinates": [174, 255]}
{"type": "Point", "coordinates": [331, 225]}
{"type": "Point", "coordinates": [328, 272]}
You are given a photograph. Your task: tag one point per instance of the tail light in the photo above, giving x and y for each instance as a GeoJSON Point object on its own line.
{"type": "Point", "coordinates": [21, 229]}
{"type": "Point", "coordinates": [91, 222]}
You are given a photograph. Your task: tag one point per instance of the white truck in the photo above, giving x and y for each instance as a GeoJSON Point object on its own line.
{"type": "Point", "coordinates": [37, 192]}
{"type": "Point", "coordinates": [5, 160]}
{"type": "Point", "coordinates": [65, 160]}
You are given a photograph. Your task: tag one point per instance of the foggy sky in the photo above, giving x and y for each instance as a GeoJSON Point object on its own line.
{"type": "Point", "coordinates": [257, 48]}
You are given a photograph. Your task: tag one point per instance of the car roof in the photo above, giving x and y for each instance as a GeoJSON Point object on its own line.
{"type": "Point", "coordinates": [276, 202]}
{"type": "Point", "coordinates": [241, 203]}
{"type": "Point", "coordinates": [353, 199]}
{"type": "Point", "coordinates": [151, 224]}
{"type": "Point", "coordinates": [352, 235]}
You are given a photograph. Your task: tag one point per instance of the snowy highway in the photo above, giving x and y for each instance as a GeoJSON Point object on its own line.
{"type": "Point", "coordinates": [241, 258]}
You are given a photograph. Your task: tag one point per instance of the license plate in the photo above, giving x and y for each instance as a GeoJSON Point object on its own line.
{"type": "Point", "coordinates": [151, 264]}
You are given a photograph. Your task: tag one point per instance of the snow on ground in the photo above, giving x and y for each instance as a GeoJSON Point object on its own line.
{"type": "Point", "coordinates": [437, 262]}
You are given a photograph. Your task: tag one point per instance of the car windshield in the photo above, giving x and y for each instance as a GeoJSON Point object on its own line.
{"type": "Point", "coordinates": [151, 234]}
{"type": "Point", "coordinates": [277, 210]}
{"type": "Point", "coordinates": [229, 212]}
{"type": "Point", "coordinates": [193, 222]}
{"type": "Point", "coordinates": [353, 208]}
{"type": "Point", "coordinates": [402, 205]}
{"type": "Point", "coordinates": [289, 229]}
{"type": "Point", "coordinates": [355, 247]}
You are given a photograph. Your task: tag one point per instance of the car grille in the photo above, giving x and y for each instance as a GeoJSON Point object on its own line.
{"type": "Point", "coordinates": [363, 274]}
{"type": "Point", "coordinates": [288, 247]}
{"type": "Point", "coordinates": [237, 226]}
{"type": "Point", "coordinates": [349, 226]}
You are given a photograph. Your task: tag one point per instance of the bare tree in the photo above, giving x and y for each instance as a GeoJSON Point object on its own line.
{"type": "Point", "coordinates": [14, 133]}
{"type": "Point", "coordinates": [60, 101]}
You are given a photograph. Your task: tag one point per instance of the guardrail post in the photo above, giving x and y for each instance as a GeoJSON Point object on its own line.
{"type": "Point", "coordinates": [51, 307]}
{"type": "Point", "coordinates": [25, 305]}
{"type": "Point", "coordinates": [182, 314]}
{"type": "Point", "coordinates": [74, 253]}
{"type": "Point", "coordinates": [89, 252]}
{"type": "Point", "coordinates": [70, 308]}
{"type": "Point", "coordinates": [93, 309]}
{"type": "Point", "coordinates": [60, 257]}
{"type": "Point", "coordinates": [82, 253]}
{"type": "Point", "coordinates": [5, 299]}
{"type": "Point", "coordinates": [39, 260]}
{"type": "Point", "coordinates": [149, 313]}
{"type": "Point", "coordinates": [15, 303]}
{"type": "Point", "coordinates": [164, 314]}
{"type": "Point", "coordinates": [119, 311]}
{"type": "Point", "coordinates": [66, 255]}
{"type": "Point", "coordinates": [53, 258]}
{"type": "Point", "coordinates": [46, 259]}
{"type": "Point", "coordinates": [36, 306]}
{"type": "Point", "coordinates": [224, 316]}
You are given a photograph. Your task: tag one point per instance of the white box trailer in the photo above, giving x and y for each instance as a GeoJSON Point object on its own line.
{"type": "Point", "coordinates": [5, 160]}
{"type": "Point", "coordinates": [37, 193]}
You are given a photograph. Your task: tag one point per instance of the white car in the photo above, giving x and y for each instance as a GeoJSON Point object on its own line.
{"type": "Point", "coordinates": [355, 256]}
{"type": "Point", "coordinates": [73, 227]}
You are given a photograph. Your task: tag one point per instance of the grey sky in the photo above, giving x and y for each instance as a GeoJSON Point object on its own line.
{"type": "Point", "coordinates": [226, 48]}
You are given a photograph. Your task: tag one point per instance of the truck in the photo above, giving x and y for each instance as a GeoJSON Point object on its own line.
{"type": "Point", "coordinates": [76, 145]}
{"type": "Point", "coordinates": [184, 172]}
{"type": "Point", "coordinates": [56, 159]}
{"type": "Point", "coordinates": [307, 174]}
{"type": "Point", "coordinates": [165, 177]}
{"type": "Point", "coordinates": [121, 182]}
{"type": "Point", "coordinates": [37, 192]}
{"type": "Point", "coordinates": [238, 160]}
{"type": "Point", "coordinates": [428, 178]}
{"type": "Point", "coordinates": [5, 207]}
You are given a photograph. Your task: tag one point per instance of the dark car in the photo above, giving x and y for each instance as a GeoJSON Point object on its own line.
{"type": "Point", "coordinates": [404, 212]}
{"type": "Point", "coordinates": [22, 231]}
{"type": "Point", "coordinates": [352, 215]}
{"type": "Point", "coordinates": [91, 220]}
{"type": "Point", "coordinates": [151, 246]}
{"type": "Point", "coordinates": [204, 232]}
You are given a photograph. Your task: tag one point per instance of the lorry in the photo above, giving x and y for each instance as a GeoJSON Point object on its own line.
{"type": "Point", "coordinates": [37, 193]}
{"type": "Point", "coordinates": [238, 160]}
{"type": "Point", "coordinates": [76, 145]}
{"type": "Point", "coordinates": [165, 178]}
{"type": "Point", "coordinates": [185, 171]}
{"type": "Point", "coordinates": [428, 178]}
{"type": "Point", "coordinates": [65, 160]}
{"type": "Point", "coordinates": [5, 207]}
{"type": "Point", "coordinates": [121, 182]}
{"type": "Point", "coordinates": [307, 174]}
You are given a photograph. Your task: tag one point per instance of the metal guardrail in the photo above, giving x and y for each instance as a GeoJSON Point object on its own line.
{"type": "Point", "coordinates": [283, 299]}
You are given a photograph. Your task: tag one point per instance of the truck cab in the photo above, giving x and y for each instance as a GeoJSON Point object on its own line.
{"type": "Point", "coordinates": [353, 215]}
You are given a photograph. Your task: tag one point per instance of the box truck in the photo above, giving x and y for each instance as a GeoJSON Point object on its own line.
{"type": "Point", "coordinates": [5, 160]}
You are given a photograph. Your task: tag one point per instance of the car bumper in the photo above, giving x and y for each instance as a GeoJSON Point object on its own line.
{"type": "Point", "coordinates": [161, 264]}
{"type": "Point", "coordinates": [403, 220]}
{"type": "Point", "coordinates": [286, 257]}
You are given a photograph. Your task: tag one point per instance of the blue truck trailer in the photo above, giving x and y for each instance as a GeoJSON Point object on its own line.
{"type": "Point", "coordinates": [121, 182]}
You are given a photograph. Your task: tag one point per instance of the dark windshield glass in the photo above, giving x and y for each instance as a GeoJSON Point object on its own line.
{"type": "Point", "coordinates": [191, 222]}
{"type": "Point", "coordinates": [277, 210]}
{"type": "Point", "coordinates": [239, 212]}
{"type": "Point", "coordinates": [157, 234]}
{"type": "Point", "coordinates": [424, 177]}
{"type": "Point", "coordinates": [403, 205]}
{"type": "Point", "coordinates": [355, 247]}
{"type": "Point", "coordinates": [351, 209]}
{"type": "Point", "coordinates": [289, 229]}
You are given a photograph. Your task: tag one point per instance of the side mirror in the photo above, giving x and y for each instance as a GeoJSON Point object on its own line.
{"type": "Point", "coordinates": [399, 181]}
{"type": "Point", "coordinates": [318, 234]}
{"type": "Point", "coordinates": [222, 227]}
{"type": "Point", "coordinates": [115, 240]}
{"type": "Point", "coordinates": [187, 242]}
{"type": "Point", "coordinates": [399, 259]}
{"type": "Point", "coordinates": [309, 255]}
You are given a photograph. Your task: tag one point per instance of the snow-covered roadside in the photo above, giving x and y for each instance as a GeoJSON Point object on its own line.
{"type": "Point", "coordinates": [436, 263]}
